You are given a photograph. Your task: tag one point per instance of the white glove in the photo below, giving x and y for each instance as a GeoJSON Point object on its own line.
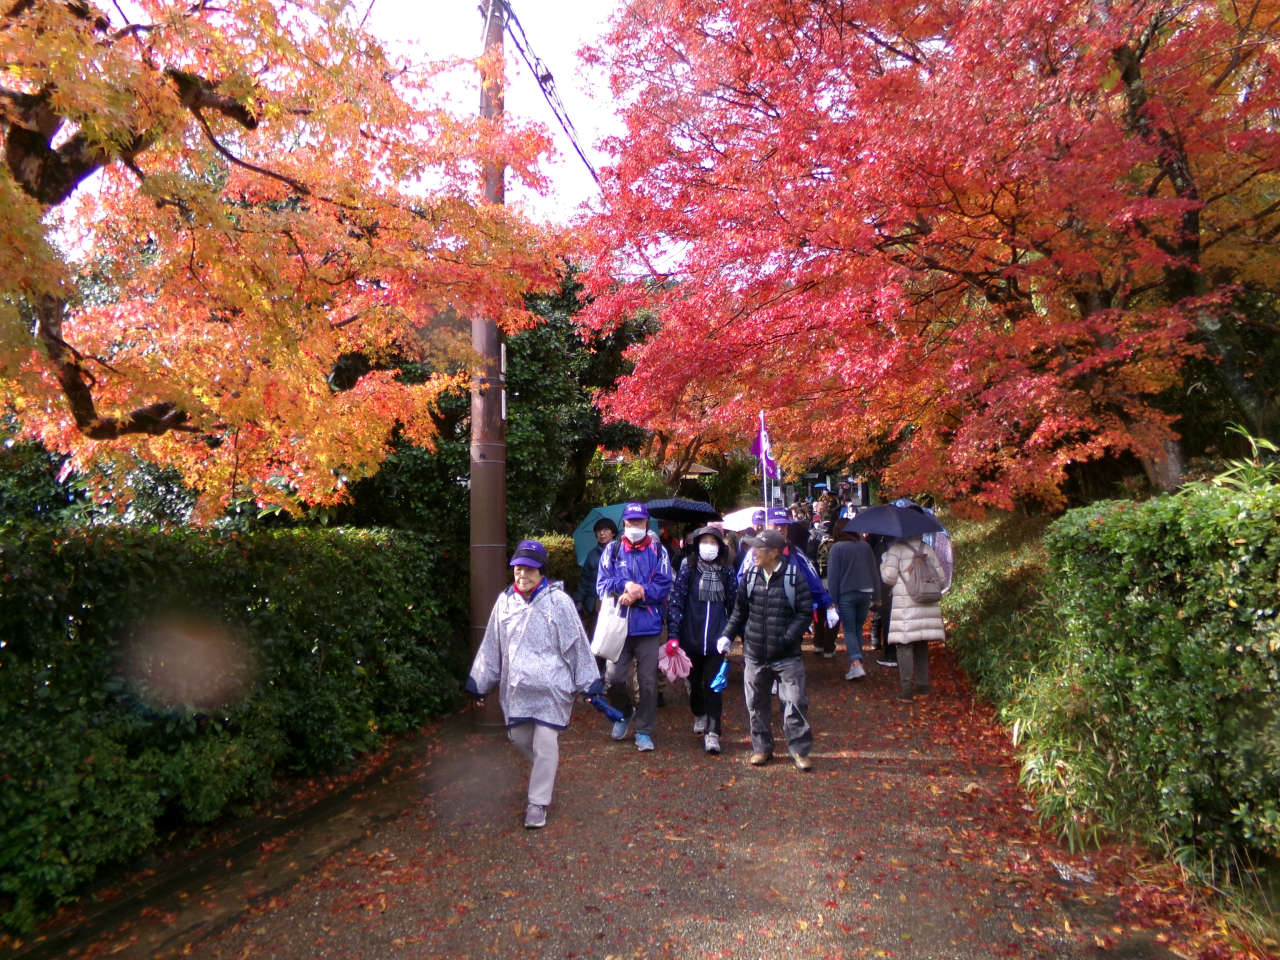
{"type": "Point", "coordinates": [832, 618]}
{"type": "Point", "coordinates": [723, 645]}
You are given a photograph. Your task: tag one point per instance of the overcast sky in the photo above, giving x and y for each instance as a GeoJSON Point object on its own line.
{"type": "Point", "coordinates": [556, 29]}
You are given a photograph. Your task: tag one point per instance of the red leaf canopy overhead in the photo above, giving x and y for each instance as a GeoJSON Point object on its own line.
{"type": "Point", "coordinates": [984, 233]}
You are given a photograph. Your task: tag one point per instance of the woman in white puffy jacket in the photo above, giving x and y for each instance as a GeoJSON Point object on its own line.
{"type": "Point", "coordinates": [912, 624]}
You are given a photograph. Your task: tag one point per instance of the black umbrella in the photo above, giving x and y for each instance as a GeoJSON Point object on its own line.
{"type": "Point", "coordinates": [891, 521]}
{"type": "Point", "coordinates": [682, 511]}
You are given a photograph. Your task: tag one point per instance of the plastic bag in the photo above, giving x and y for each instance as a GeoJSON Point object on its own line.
{"type": "Point", "coordinates": [721, 680]}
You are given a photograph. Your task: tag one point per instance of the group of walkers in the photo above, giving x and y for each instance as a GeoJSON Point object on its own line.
{"type": "Point", "coordinates": [704, 594]}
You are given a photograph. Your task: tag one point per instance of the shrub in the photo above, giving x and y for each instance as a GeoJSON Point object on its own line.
{"type": "Point", "coordinates": [562, 560]}
{"type": "Point", "coordinates": [996, 622]}
{"type": "Point", "coordinates": [1160, 709]}
{"type": "Point", "coordinates": [355, 634]}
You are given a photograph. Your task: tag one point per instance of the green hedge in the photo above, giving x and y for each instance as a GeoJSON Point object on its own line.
{"type": "Point", "coordinates": [994, 611]}
{"type": "Point", "coordinates": [1157, 708]}
{"type": "Point", "coordinates": [356, 635]}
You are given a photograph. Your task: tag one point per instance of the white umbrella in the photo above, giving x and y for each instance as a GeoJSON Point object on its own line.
{"type": "Point", "coordinates": [740, 519]}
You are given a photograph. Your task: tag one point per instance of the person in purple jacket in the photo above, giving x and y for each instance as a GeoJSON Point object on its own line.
{"type": "Point", "coordinates": [636, 569]}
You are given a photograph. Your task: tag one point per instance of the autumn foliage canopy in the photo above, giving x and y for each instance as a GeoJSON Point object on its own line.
{"type": "Point", "coordinates": [986, 234]}
{"type": "Point", "coordinates": [205, 208]}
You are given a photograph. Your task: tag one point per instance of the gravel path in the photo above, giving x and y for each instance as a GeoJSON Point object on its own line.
{"type": "Point", "coordinates": [910, 838]}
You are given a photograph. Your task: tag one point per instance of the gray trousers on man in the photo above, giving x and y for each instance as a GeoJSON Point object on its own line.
{"type": "Point", "coordinates": [644, 650]}
{"type": "Point", "coordinates": [542, 746]}
{"type": "Point", "coordinates": [758, 682]}
{"type": "Point", "coordinates": [913, 665]}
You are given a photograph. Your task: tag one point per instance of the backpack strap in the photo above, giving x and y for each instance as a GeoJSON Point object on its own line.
{"type": "Point", "coordinates": [788, 583]}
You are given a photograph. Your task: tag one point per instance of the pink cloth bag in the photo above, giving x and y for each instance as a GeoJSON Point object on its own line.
{"type": "Point", "coordinates": [673, 661]}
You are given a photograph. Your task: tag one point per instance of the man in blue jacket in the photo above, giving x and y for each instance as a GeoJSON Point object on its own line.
{"type": "Point", "coordinates": [636, 569]}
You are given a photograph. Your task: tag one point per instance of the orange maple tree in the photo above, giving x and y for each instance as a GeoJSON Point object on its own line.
{"type": "Point", "coordinates": [205, 208]}
{"type": "Point", "coordinates": [984, 234]}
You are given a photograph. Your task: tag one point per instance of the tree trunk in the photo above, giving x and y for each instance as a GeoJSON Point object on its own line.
{"type": "Point", "coordinates": [1224, 345]}
{"type": "Point", "coordinates": [574, 488]}
{"type": "Point", "coordinates": [1164, 472]}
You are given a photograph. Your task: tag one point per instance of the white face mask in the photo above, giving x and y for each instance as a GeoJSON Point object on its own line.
{"type": "Point", "coordinates": [708, 551]}
{"type": "Point", "coordinates": [635, 534]}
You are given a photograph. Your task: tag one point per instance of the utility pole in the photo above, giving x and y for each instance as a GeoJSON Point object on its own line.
{"type": "Point", "coordinates": [489, 408]}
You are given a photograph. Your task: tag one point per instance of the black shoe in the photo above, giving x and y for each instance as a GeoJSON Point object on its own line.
{"type": "Point", "coordinates": [924, 689]}
{"type": "Point", "coordinates": [887, 663]}
{"type": "Point", "coordinates": [662, 701]}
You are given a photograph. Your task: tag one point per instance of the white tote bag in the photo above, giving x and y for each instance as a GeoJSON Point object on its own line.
{"type": "Point", "coordinates": [611, 629]}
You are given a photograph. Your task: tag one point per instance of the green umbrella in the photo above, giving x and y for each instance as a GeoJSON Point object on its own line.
{"type": "Point", "coordinates": [584, 538]}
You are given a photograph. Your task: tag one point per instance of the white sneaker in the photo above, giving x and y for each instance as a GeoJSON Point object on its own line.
{"type": "Point", "coordinates": [699, 725]}
{"type": "Point", "coordinates": [856, 672]}
{"type": "Point", "coordinates": [711, 743]}
{"type": "Point", "coordinates": [829, 655]}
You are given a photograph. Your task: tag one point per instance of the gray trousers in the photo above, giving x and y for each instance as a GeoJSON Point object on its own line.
{"type": "Point", "coordinates": [758, 682]}
{"type": "Point", "coordinates": [913, 665]}
{"type": "Point", "coordinates": [542, 746]}
{"type": "Point", "coordinates": [644, 650]}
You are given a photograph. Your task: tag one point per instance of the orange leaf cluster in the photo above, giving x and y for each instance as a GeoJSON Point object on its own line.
{"type": "Point", "coordinates": [262, 190]}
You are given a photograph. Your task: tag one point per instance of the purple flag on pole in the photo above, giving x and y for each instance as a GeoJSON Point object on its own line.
{"type": "Point", "coordinates": [764, 451]}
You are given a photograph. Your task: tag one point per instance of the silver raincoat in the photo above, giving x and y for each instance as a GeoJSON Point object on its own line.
{"type": "Point", "coordinates": [538, 656]}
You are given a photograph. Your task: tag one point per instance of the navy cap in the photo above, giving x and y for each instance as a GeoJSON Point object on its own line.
{"type": "Point", "coordinates": [530, 553]}
{"type": "Point", "coordinates": [635, 511]}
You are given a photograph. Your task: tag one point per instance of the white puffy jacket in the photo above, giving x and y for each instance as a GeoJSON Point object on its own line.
{"type": "Point", "coordinates": [909, 621]}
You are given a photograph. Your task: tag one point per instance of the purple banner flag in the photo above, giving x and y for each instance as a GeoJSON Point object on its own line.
{"type": "Point", "coordinates": [764, 451]}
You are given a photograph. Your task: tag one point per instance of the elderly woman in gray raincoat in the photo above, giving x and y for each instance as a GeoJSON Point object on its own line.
{"type": "Point", "coordinates": [538, 656]}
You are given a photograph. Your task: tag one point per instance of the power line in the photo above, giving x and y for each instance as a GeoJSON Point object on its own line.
{"type": "Point", "coordinates": [546, 83]}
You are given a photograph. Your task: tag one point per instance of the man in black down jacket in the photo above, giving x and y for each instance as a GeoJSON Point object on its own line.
{"type": "Point", "coordinates": [771, 613]}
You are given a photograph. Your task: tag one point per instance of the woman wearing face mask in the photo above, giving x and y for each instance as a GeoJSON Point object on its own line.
{"type": "Point", "coordinates": [636, 571]}
{"type": "Point", "coordinates": [701, 601]}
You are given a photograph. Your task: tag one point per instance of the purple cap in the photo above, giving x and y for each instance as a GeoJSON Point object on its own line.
{"type": "Point", "coordinates": [530, 553]}
{"type": "Point", "coordinates": [635, 511]}
{"type": "Point", "coordinates": [757, 518]}
{"type": "Point", "coordinates": [779, 516]}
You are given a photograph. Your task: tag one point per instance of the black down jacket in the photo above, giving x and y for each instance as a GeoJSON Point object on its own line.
{"type": "Point", "coordinates": [769, 624]}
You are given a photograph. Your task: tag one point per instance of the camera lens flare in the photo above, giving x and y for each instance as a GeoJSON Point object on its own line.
{"type": "Point", "coordinates": [184, 664]}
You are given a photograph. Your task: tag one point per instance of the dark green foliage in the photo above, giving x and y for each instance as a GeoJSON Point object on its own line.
{"type": "Point", "coordinates": [1170, 662]}
{"type": "Point", "coordinates": [356, 634]}
{"type": "Point", "coordinates": [29, 486]}
{"type": "Point", "coordinates": [553, 433]}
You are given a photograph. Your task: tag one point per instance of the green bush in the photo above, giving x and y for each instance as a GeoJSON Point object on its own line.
{"type": "Point", "coordinates": [355, 634]}
{"type": "Point", "coordinates": [1157, 709]}
{"type": "Point", "coordinates": [996, 621]}
{"type": "Point", "coordinates": [562, 559]}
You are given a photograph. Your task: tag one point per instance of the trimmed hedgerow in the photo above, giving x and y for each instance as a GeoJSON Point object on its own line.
{"type": "Point", "coordinates": [355, 635]}
{"type": "Point", "coordinates": [1158, 708]}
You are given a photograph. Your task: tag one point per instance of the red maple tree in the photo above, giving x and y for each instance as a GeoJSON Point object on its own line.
{"type": "Point", "coordinates": [985, 234]}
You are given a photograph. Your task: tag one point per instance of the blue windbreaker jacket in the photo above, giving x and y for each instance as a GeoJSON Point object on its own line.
{"type": "Point", "coordinates": [648, 566]}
